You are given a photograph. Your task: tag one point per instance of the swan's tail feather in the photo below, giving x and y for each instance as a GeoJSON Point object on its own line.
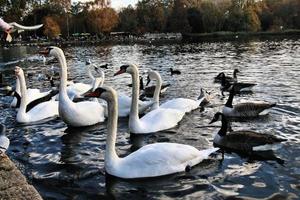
{"type": "Point", "coordinates": [205, 153]}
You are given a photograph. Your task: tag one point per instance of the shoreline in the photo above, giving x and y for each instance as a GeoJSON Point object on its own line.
{"type": "Point", "coordinates": [13, 184]}
{"type": "Point", "coordinates": [185, 37]}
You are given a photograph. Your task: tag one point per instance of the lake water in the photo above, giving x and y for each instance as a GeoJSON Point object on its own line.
{"type": "Point", "coordinates": [67, 163]}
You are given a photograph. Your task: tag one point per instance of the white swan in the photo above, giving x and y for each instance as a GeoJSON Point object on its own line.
{"type": "Point", "coordinates": [4, 141]}
{"type": "Point", "coordinates": [182, 104]}
{"type": "Point", "coordinates": [154, 121]}
{"type": "Point", "coordinates": [32, 94]}
{"type": "Point", "coordinates": [152, 160]}
{"type": "Point", "coordinates": [48, 109]}
{"type": "Point", "coordinates": [83, 113]}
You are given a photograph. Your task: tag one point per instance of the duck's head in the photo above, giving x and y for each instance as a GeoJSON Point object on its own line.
{"type": "Point", "coordinates": [128, 68]}
{"type": "Point", "coordinates": [217, 117]}
{"type": "Point", "coordinates": [106, 93]}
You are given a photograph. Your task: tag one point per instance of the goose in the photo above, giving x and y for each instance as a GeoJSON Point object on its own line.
{"type": "Point", "coordinates": [154, 121]}
{"type": "Point", "coordinates": [233, 79]}
{"type": "Point", "coordinates": [4, 141]}
{"type": "Point", "coordinates": [182, 104]}
{"type": "Point", "coordinates": [42, 111]}
{"type": "Point", "coordinates": [152, 160]}
{"type": "Point", "coordinates": [243, 141]}
{"type": "Point", "coordinates": [247, 109]}
{"type": "Point", "coordinates": [174, 72]}
{"type": "Point", "coordinates": [8, 28]}
{"type": "Point", "coordinates": [239, 86]}
{"type": "Point", "coordinates": [84, 113]}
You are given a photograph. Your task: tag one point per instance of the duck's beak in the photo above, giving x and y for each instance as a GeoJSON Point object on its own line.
{"type": "Point", "coordinates": [121, 71]}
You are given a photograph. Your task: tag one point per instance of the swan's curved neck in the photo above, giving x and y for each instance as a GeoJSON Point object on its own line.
{"type": "Point", "coordinates": [110, 152]}
{"type": "Point", "coordinates": [157, 90]}
{"type": "Point", "coordinates": [18, 89]}
{"type": "Point", "coordinates": [23, 88]}
{"type": "Point", "coordinates": [134, 113]}
{"type": "Point", "coordinates": [63, 74]}
{"type": "Point", "coordinates": [90, 73]}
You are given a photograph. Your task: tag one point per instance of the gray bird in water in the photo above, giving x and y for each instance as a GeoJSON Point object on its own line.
{"type": "Point", "coordinates": [4, 141]}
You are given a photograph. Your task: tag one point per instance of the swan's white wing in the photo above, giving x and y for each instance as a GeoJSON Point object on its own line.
{"type": "Point", "coordinates": [159, 119]}
{"type": "Point", "coordinates": [43, 111]}
{"type": "Point", "coordinates": [17, 26]}
{"type": "Point", "coordinates": [159, 159]}
{"type": "Point", "coordinates": [4, 143]}
{"type": "Point", "coordinates": [182, 104]}
{"type": "Point", "coordinates": [83, 113]}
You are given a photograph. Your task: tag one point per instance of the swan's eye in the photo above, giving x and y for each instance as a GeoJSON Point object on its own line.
{"type": "Point", "coordinates": [124, 67]}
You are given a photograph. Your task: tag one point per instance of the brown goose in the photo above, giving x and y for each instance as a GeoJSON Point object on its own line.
{"type": "Point", "coordinates": [243, 141]}
{"type": "Point", "coordinates": [247, 109]}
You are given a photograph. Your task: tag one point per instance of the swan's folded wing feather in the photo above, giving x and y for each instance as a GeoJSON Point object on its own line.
{"type": "Point", "coordinates": [182, 104]}
{"type": "Point", "coordinates": [158, 159]}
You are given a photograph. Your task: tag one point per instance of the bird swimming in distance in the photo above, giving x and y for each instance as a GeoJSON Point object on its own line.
{"type": "Point", "coordinates": [175, 71]}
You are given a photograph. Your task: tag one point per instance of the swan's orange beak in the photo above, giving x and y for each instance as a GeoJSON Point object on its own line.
{"type": "Point", "coordinates": [121, 71]}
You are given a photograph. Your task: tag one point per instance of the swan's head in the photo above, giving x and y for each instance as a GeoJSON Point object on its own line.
{"type": "Point", "coordinates": [19, 71]}
{"type": "Point", "coordinates": [218, 116]}
{"type": "Point", "coordinates": [106, 93]}
{"type": "Point", "coordinates": [152, 75]}
{"type": "Point", "coordinates": [51, 51]}
{"type": "Point", "coordinates": [130, 69]}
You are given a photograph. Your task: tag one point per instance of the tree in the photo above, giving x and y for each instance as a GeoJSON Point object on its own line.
{"type": "Point", "coordinates": [128, 19]}
{"type": "Point", "coordinates": [102, 20]}
{"type": "Point", "coordinates": [51, 27]}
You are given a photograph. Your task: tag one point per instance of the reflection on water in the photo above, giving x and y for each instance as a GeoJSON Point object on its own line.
{"type": "Point", "coordinates": [68, 163]}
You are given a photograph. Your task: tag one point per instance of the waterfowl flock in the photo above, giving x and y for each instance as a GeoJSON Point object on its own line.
{"type": "Point", "coordinates": [145, 117]}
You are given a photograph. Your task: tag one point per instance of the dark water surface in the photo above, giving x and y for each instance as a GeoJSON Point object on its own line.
{"type": "Point", "coordinates": [67, 163]}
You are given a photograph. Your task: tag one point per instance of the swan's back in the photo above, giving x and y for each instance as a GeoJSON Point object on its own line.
{"type": "Point", "coordinates": [158, 159]}
{"type": "Point", "coordinates": [158, 120]}
{"type": "Point", "coordinates": [181, 104]}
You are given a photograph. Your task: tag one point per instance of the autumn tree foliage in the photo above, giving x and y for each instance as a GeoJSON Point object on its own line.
{"type": "Point", "coordinates": [198, 16]}
{"type": "Point", "coordinates": [51, 27]}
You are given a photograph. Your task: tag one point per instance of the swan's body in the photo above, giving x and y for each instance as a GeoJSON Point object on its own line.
{"type": "Point", "coordinates": [181, 104]}
{"type": "Point", "coordinates": [42, 111]}
{"type": "Point", "coordinates": [124, 103]}
{"type": "Point", "coordinates": [32, 94]}
{"type": "Point", "coordinates": [247, 109]}
{"type": "Point", "coordinates": [79, 114]}
{"type": "Point", "coordinates": [4, 141]}
{"type": "Point", "coordinates": [149, 161]}
{"type": "Point", "coordinates": [154, 121]}
{"type": "Point", "coordinates": [243, 141]}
